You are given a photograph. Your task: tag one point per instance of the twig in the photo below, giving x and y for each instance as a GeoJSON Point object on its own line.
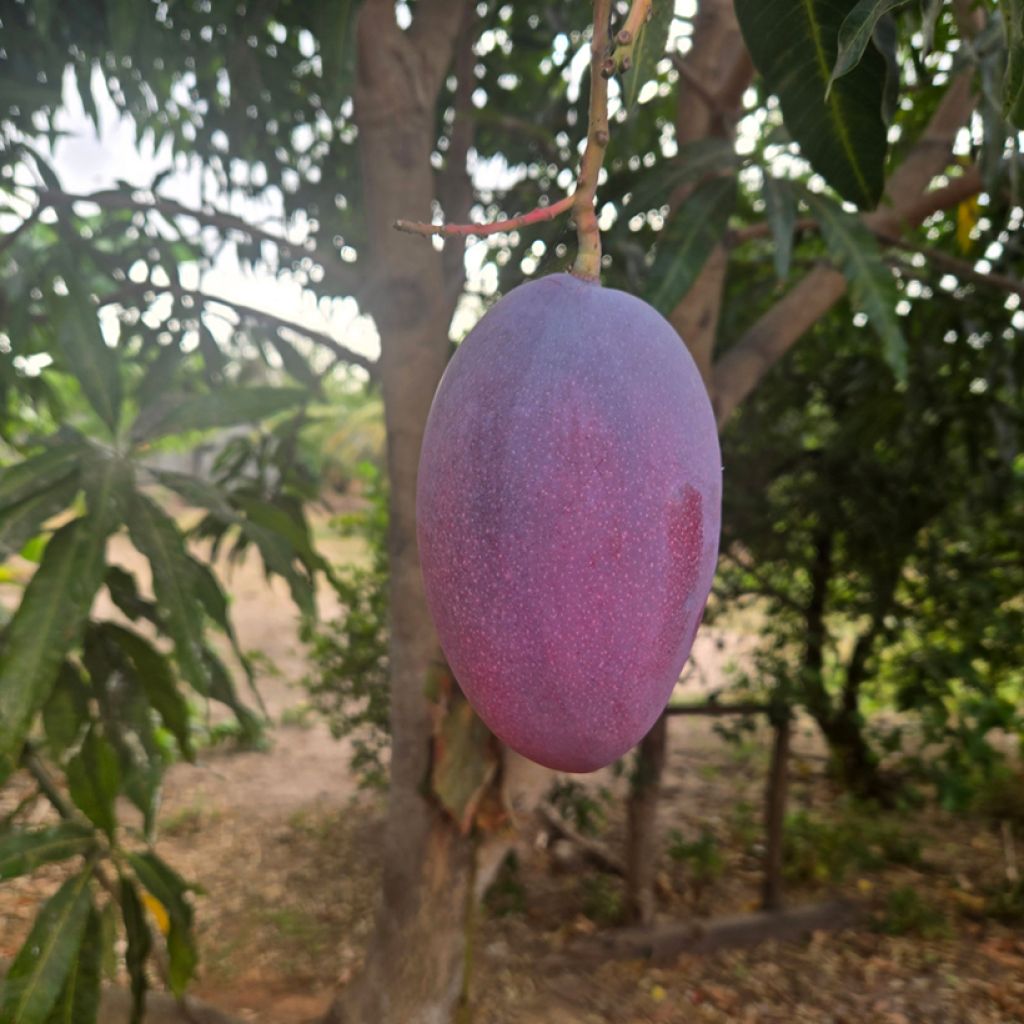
{"type": "Point", "coordinates": [588, 233]}
{"type": "Point", "coordinates": [537, 216]}
{"type": "Point", "coordinates": [597, 853]}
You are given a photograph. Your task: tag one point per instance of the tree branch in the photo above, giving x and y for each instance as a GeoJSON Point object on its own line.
{"type": "Point", "coordinates": [116, 199]}
{"type": "Point", "coordinates": [244, 312]}
{"type": "Point", "coordinates": [770, 337]}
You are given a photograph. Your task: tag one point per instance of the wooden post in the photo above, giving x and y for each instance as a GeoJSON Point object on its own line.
{"type": "Point", "coordinates": [775, 815]}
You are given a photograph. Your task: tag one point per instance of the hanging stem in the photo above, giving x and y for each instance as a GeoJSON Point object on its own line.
{"type": "Point", "coordinates": [602, 67]}
{"type": "Point", "coordinates": [581, 202]}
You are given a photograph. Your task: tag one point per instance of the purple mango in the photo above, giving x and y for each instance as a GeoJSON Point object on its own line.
{"type": "Point", "coordinates": [568, 508]}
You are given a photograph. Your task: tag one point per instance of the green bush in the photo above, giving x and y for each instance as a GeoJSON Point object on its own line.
{"type": "Point", "coordinates": [908, 913]}
{"type": "Point", "coordinates": [348, 681]}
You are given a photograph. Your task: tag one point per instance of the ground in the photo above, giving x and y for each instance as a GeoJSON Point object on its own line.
{"type": "Point", "coordinates": [283, 846]}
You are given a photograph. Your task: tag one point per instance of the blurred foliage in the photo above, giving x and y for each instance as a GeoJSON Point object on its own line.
{"type": "Point", "coordinates": [877, 529]}
{"type": "Point", "coordinates": [584, 808]}
{"type": "Point", "coordinates": [907, 912]}
{"type": "Point", "coordinates": [821, 850]}
{"type": "Point", "coordinates": [348, 681]}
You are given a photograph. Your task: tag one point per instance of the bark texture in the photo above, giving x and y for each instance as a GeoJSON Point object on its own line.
{"type": "Point", "coordinates": [413, 966]}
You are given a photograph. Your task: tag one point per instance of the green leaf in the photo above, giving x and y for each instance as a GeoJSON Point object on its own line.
{"type": "Point", "coordinates": [1013, 88]}
{"type": "Point", "coordinates": [296, 365]}
{"type": "Point", "coordinates": [648, 49]}
{"type": "Point", "coordinates": [780, 207]}
{"type": "Point", "coordinates": [157, 680]}
{"type": "Point", "coordinates": [157, 537]}
{"type": "Point", "coordinates": [47, 624]}
{"type": "Point", "coordinates": [695, 160]}
{"type": "Point", "coordinates": [20, 523]}
{"type": "Point", "coordinates": [80, 1000]}
{"type": "Point", "coordinates": [94, 780]}
{"type": "Point", "coordinates": [872, 288]}
{"type": "Point", "coordinates": [855, 34]}
{"type": "Point", "coordinates": [170, 889]}
{"type": "Point", "coordinates": [222, 689]}
{"type": "Point", "coordinates": [684, 246]}
{"type": "Point", "coordinates": [224, 408]}
{"type": "Point", "coordinates": [40, 970]}
{"type": "Point", "coordinates": [65, 709]}
{"type": "Point", "coordinates": [140, 943]}
{"type": "Point", "coordinates": [93, 362]}
{"type": "Point", "coordinates": [794, 44]}
{"type": "Point", "coordinates": [33, 476]}
{"type": "Point", "coordinates": [124, 592]}
{"type": "Point", "coordinates": [22, 852]}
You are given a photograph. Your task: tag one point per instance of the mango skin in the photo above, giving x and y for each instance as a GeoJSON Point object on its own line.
{"type": "Point", "coordinates": [568, 515]}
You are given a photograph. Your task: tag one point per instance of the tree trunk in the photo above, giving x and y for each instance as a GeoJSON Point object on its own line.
{"type": "Point", "coordinates": [642, 841]}
{"type": "Point", "coordinates": [414, 963]}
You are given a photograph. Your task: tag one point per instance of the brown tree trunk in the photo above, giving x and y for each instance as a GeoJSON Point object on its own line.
{"type": "Point", "coordinates": [413, 967]}
{"type": "Point", "coordinates": [642, 843]}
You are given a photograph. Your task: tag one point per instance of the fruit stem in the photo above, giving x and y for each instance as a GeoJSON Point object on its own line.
{"type": "Point", "coordinates": [588, 257]}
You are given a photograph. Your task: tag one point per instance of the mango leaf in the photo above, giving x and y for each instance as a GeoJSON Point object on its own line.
{"type": "Point", "coordinates": [157, 680]}
{"type": "Point", "coordinates": [336, 34]}
{"type": "Point", "coordinates": [157, 537]}
{"type": "Point", "coordinates": [872, 288]}
{"type": "Point", "coordinates": [65, 709]}
{"type": "Point", "coordinates": [80, 1000]}
{"type": "Point", "coordinates": [794, 44]}
{"type": "Point", "coordinates": [222, 689]}
{"type": "Point", "coordinates": [170, 888]}
{"type": "Point", "coordinates": [94, 780]}
{"type": "Point", "coordinates": [296, 365]}
{"type": "Point", "coordinates": [22, 852]}
{"type": "Point", "coordinates": [223, 408]}
{"type": "Point", "coordinates": [1013, 88]}
{"type": "Point", "coordinates": [21, 522]}
{"type": "Point", "coordinates": [48, 623]}
{"type": "Point", "coordinates": [695, 160]}
{"type": "Point", "coordinates": [685, 245]}
{"type": "Point", "coordinates": [30, 477]}
{"type": "Point", "coordinates": [41, 969]}
{"type": "Point", "coordinates": [780, 208]}
{"type": "Point", "coordinates": [648, 48]}
{"type": "Point", "coordinates": [124, 592]}
{"type": "Point", "coordinates": [140, 943]}
{"type": "Point", "coordinates": [855, 34]}
{"type": "Point", "coordinates": [92, 361]}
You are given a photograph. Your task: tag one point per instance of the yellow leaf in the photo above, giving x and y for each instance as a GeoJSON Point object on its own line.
{"type": "Point", "coordinates": [658, 994]}
{"type": "Point", "coordinates": [966, 220]}
{"type": "Point", "coordinates": [156, 908]}
{"type": "Point", "coordinates": [864, 886]}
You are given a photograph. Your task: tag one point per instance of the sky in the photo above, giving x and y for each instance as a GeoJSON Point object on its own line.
{"type": "Point", "coordinates": [87, 160]}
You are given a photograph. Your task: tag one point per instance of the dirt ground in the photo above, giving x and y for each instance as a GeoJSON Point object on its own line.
{"type": "Point", "coordinates": [283, 846]}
